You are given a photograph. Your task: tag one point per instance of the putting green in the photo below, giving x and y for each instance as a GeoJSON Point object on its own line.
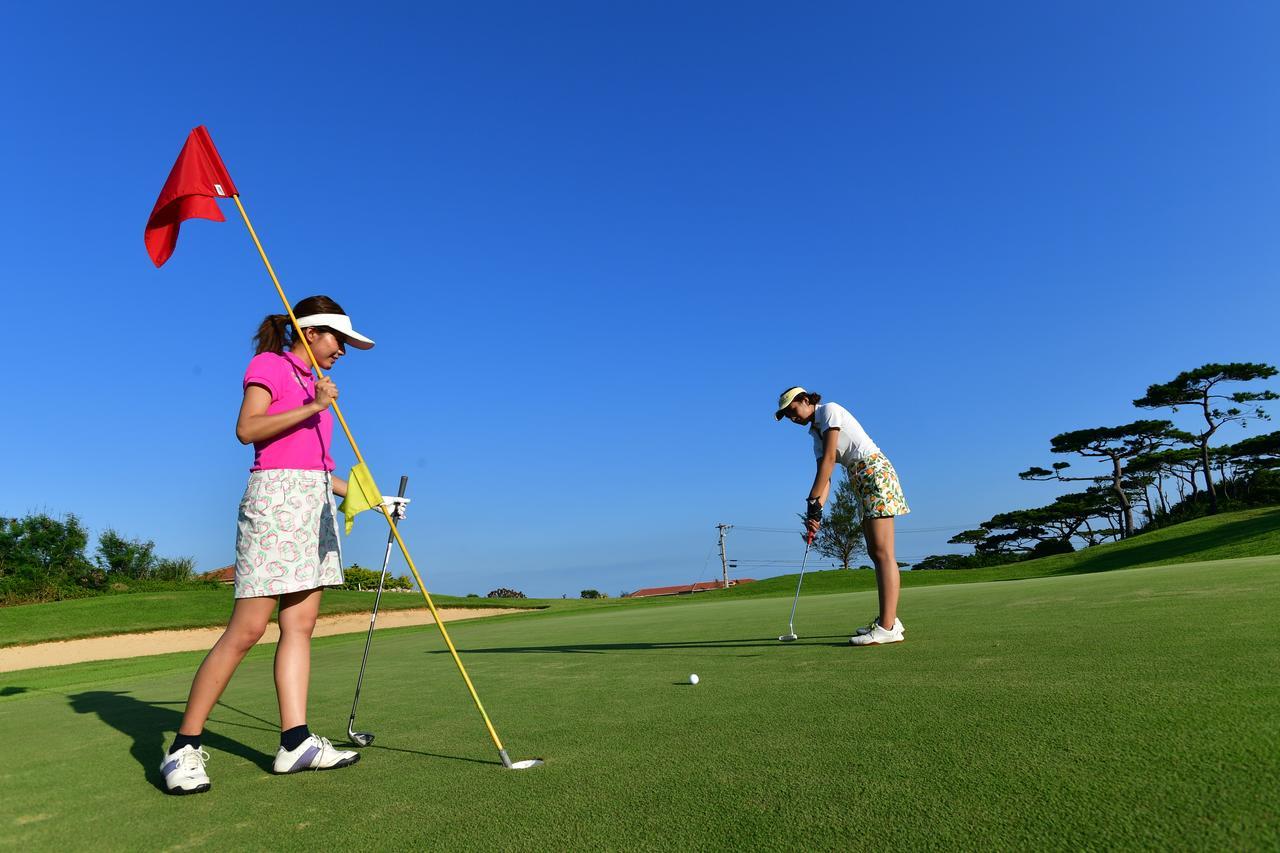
{"type": "Point", "coordinates": [1129, 709]}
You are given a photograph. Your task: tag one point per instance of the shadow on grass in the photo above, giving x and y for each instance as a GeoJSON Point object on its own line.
{"type": "Point", "coordinates": [272, 726]}
{"type": "Point", "coordinates": [151, 725]}
{"type": "Point", "coordinates": [13, 691]}
{"type": "Point", "coordinates": [605, 648]}
{"type": "Point", "coordinates": [1172, 548]}
{"type": "Point", "coordinates": [432, 754]}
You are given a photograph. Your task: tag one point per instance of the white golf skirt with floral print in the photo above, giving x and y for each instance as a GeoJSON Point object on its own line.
{"type": "Point", "coordinates": [287, 534]}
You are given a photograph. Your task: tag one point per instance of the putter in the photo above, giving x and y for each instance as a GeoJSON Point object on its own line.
{"type": "Point", "coordinates": [366, 738]}
{"type": "Point", "coordinates": [790, 636]}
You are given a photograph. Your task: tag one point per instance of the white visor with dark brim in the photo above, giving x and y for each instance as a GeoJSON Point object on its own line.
{"type": "Point", "coordinates": [341, 324]}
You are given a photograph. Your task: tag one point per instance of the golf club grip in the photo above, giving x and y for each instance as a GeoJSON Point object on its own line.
{"type": "Point", "coordinates": [404, 482]}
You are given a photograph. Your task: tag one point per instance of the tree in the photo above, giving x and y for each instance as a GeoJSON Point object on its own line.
{"type": "Point", "coordinates": [125, 558]}
{"type": "Point", "coordinates": [1115, 444]}
{"type": "Point", "coordinates": [40, 544]}
{"type": "Point", "coordinates": [1181, 463]}
{"type": "Point", "coordinates": [1196, 388]}
{"type": "Point", "coordinates": [503, 592]}
{"type": "Point", "coordinates": [1258, 460]}
{"type": "Point", "coordinates": [40, 555]}
{"type": "Point", "coordinates": [590, 593]}
{"type": "Point", "coordinates": [1261, 451]}
{"type": "Point", "coordinates": [840, 536]}
{"type": "Point", "coordinates": [1040, 530]}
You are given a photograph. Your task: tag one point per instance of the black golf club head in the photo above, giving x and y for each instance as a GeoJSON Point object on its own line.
{"type": "Point", "coordinates": [360, 738]}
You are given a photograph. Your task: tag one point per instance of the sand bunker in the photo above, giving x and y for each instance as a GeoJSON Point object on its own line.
{"type": "Point", "coordinates": [195, 639]}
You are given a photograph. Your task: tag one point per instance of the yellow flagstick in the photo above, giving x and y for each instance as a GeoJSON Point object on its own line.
{"type": "Point", "coordinates": [404, 549]}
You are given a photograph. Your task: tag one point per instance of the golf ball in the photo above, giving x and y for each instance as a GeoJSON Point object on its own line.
{"type": "Point", "coordinates": [693, 679]}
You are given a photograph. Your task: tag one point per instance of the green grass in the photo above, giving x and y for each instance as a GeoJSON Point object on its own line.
{"type": "Point", "coordinates": [152, 611]}
{"type": "Point", "coordinates": [1248, 533]}
{"type": "Point", "coordinates": [1239, 534]}
{"type": "Point", "coordinates": [1120, 710]}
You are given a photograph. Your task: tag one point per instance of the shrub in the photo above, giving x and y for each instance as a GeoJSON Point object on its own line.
{"type": "Point", "coordinates": [1046, 547]}
{"type": "Point", "coordinates": [175, 569]}
{"type": "Point", "coordinates": [503, 592]}
{"type": "Point", "coordinates": [963, 561]}
{"type": "Point", "coordinates": [128, 558]}
{"type": "Point", "coordinates": [359, 578]}
{"type": "Point", "coordinates": [43, 559]}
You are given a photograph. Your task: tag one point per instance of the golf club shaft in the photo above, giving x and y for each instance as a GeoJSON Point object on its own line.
{"type": "Point", "coordinates": [791, 623]}
{"type": "Point", "coordinates": [386, 559]}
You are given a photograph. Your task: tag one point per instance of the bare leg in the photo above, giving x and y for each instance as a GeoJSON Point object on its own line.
{"type": "Point", "coordinates": [879, 535]}
{"type": "Point", "coordinates": [298, 611]}
{"type": "Point", "coordinates": [249, 619]}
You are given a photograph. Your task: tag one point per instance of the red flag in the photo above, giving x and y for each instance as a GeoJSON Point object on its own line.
{"type": "Point", "coordinates": [197, 179]}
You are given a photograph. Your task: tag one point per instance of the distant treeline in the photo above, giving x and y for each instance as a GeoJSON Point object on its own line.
{"type": "Point", "coordinates": [44, 559]}
{"type": "Point", "coordinates": [1165, 473]}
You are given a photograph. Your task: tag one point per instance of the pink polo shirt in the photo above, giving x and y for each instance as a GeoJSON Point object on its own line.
{"type": "Point", "coordinates": [305, 445]}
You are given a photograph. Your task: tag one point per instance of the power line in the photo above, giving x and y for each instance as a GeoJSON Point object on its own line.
{"type": "Point", "coordinates": [897, 530]}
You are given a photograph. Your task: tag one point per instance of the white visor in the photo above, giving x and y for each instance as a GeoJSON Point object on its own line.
{"type": "Point", "coordinates": [341, 324]}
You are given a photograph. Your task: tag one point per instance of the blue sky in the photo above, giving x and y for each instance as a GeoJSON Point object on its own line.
{"type": "Point", "coordinates": [594, 241]}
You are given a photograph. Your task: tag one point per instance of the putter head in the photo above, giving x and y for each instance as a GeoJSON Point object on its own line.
{"type": "Point", "coordinates": [360, 738]}
{"type": "Point", "coordinates": [788, 638]}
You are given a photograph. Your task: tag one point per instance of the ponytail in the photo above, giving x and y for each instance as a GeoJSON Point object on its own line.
{"type": "Point", "coordinates": [273, 334]}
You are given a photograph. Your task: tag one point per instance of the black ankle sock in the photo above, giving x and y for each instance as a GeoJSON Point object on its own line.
{"type": "Point", "coordinates": [184, 740]}
{"type": "Point", "coordinates": [292, 738]}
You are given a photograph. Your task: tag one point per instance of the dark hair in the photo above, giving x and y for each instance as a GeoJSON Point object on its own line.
{"type": "Point", "coordinates": [813, 397]}
{"type": "Point", "coordinates": [276, 333]}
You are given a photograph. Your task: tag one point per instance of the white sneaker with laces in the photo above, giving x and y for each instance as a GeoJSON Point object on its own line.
{"type": "Point", "coordinates": [879, 635]}
{"type": "Point", "coordinates": [866, 629]}
{"type": "Point", "coordinates": [184, 771]}
{"type": "Point", "coordinates": [314, 753]}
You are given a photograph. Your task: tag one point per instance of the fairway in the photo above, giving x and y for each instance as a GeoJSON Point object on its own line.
{"type": "Point", "coordinates": [1129, 709]}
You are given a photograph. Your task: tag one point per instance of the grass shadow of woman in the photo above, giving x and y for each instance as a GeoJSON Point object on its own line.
{"type": "Point", "coordinates": [151, 725]}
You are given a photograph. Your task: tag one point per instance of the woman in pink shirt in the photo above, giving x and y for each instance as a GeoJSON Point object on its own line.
{"type": "Point", "coordinates": [287, 547]}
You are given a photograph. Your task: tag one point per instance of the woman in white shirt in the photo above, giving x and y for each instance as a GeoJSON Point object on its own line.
{"type": "Point", "coordinates": [838, 437]}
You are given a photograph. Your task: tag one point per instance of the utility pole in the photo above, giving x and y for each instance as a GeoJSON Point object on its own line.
{"type": "Point", "coordinates": [724, 558]}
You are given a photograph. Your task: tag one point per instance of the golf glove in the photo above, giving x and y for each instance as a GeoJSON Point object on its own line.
{"type": "Point", "coordinates": [395, 505]}
{"type": "Point", "coordinates": [813, 510]}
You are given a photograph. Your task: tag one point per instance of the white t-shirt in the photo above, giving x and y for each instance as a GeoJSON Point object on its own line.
{"type": "Point", "coordinates": [853, 443]}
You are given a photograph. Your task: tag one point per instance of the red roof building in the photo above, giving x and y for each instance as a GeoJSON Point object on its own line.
{"type": "Point", "coordinates": [686, 589]}
{"type": "Point", "coordinates": [226, 574]}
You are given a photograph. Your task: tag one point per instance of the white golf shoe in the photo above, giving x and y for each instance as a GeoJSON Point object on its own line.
{"type": "Point", "coordinates": [184, 771]}
{"type": "Point", "coordinates": [314, 753]}
{"type": "Point", "coordinates": [879, 635]}
{"type": "Point", "coordinates": [866, 629]}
